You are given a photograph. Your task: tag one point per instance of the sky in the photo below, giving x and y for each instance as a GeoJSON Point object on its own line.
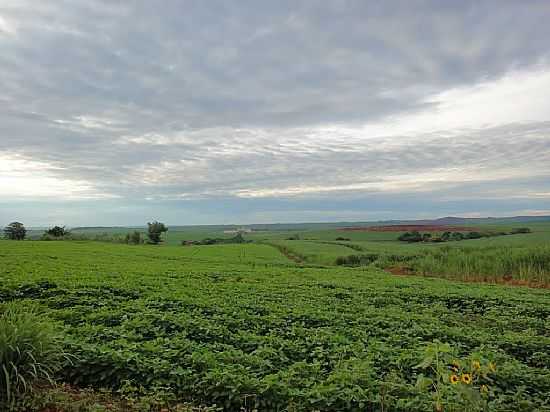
{"type": "Point", "coordinates": [250, 111]}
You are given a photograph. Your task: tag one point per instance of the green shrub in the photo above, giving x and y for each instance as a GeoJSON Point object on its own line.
{"type": "Point", "coordinates": [29, 352]}
{"type": "Point", "coordinates": [473, 235]}
{"type": "Point", "coordinates": [134, 238]}
{"type": "Point", "coordinates": [457, 236]}
{"type": "Point", "coordinates": [413, 236]}
{"type": "Point", "coordinates": [520, 230]}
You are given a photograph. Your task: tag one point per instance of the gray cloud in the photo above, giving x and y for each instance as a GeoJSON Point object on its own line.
{"type": "Point", "coordinates": [194, 100]}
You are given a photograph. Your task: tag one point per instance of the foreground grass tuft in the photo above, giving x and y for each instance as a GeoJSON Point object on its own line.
{"type": "Point", "coordinates": [29, 352]}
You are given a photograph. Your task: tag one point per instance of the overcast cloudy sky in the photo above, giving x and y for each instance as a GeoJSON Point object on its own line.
{"type": "Point", "coordinates": [115, 113]}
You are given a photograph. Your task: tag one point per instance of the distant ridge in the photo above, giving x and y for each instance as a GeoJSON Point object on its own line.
{"type": "Point", "coordinates": [453, 220]}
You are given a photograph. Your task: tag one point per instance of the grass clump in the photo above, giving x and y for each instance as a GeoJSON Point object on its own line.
{"type": "Point", "coordinates": [529, 264]}
{"type": "Point", "coordinates": [29, 352]}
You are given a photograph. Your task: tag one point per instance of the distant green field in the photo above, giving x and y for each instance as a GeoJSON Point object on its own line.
{"type": "Point", "coordinates": [518, 258]}
{"type": "Point", "coordinates": [305, 232]}
{"type": "Point", "coordinates": [523, 258]}
{"type": "Point", "coordinates": [241, 326]}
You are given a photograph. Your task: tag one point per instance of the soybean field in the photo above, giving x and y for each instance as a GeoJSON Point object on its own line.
{"type": "Point", "coordinates": [244, 327]}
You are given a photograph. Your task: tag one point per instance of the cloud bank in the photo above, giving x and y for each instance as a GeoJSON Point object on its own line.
{"type": "Point", "coordinates": [222, 112]}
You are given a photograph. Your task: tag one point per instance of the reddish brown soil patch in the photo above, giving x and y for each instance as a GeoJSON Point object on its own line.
{"type": "Point", "coordinates": [410, 228]}
{"type": "Point", "coordinates": [400, 271]}
{"type": "Point", "coordinates": [505, 280]}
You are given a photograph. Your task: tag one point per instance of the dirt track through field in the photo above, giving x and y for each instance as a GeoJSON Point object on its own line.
{"type": "Point", "coordinates": [287, 253]}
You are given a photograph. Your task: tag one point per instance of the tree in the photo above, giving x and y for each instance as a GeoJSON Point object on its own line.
{"type": "Point", "coordinates": [237, 239]}
{"type": "Point", "coordinates": [154, 232]}
{"type": "Point", "coordinates": [15, 231]}
{"type": "Point", "coordinates": [57, 231]}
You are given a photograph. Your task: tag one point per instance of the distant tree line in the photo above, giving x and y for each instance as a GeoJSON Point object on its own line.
{"type": "Point", "coordinates": [211, 241]}
{"type": "Point", "coordinates": [17, 231]}
{"type": "Point", "coordinates": [153, 236]}
{"type": "Point", "coordinates": [416, 236]}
